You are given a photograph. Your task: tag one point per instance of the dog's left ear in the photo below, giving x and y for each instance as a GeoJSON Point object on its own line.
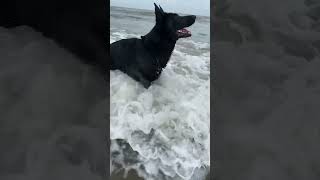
{"type": "Point", "coordinates": [159, 12]}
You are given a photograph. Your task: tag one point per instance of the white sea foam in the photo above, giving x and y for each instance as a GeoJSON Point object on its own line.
{"type": "Point", "coordinates": [167, 124]}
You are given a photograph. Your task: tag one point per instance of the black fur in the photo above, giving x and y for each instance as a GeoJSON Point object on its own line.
{"type": "Point", "coordinates": [78, 25]}
{"type": "Point", "coordinates": [143, 59]}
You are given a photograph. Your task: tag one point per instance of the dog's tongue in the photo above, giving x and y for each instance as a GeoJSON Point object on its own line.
{"type": "Point", "coordinates": [184, 31]}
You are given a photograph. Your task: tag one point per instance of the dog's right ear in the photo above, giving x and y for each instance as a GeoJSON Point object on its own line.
{"type": "Point", "coordinates": [159, 12]}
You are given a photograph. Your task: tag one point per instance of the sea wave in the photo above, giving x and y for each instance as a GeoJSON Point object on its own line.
{"type": "Point", "coordinates": [168, 125]}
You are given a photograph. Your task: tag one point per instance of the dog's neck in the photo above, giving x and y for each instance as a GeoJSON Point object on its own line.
{"type": "Point", "coordinates": [159, 45]}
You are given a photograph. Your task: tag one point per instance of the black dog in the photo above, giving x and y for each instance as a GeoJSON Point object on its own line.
{"type": "Point", "coordinates": [80, 26]}
{"type": "Point", "coordinates": [143, 59]}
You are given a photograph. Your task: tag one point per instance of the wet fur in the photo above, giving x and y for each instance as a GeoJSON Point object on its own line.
{"type": "Point", "coordinates": [143, 59]}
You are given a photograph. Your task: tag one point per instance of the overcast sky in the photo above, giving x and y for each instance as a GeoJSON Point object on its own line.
{"type": "Point", "coordinates": [196, 7]}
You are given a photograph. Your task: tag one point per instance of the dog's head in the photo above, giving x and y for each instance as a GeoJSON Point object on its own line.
{"type": "Point", "coordinates": [172, 24]}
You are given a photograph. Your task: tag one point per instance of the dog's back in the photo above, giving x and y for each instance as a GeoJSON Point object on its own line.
{"type": "Point", "coordinates": [122, 53]}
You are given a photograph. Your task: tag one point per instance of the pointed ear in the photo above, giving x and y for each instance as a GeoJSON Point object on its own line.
{"type": "Point", "coordinates": [158, 12]}
{"type": "Point", "coordinates": [161, 9]}
{"type": "Point", "coordinates": [156, 8]}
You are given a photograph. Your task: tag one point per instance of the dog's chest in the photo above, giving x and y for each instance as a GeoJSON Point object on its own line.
{"type": "Point", "coordinates": [150, 63]}
{"type": "Point", "coordinates": [149, 66]}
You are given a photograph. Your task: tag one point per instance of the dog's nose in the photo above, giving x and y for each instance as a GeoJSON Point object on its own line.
{"type": "Point", "coordinates": [194, 17]}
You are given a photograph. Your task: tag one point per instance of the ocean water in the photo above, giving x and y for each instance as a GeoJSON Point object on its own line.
{"type": "Point", "coordinates": [162, 132]}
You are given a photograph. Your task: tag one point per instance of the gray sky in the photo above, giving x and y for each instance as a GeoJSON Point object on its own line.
{"type": "Point", "coordinates": [196, 7]}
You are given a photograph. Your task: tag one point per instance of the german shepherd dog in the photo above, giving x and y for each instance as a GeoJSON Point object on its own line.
{"type": "Point", "coordinates": [143, 59]}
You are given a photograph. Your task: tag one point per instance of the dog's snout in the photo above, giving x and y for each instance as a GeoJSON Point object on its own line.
{"type": "Point", "coordinates": [192, 18]}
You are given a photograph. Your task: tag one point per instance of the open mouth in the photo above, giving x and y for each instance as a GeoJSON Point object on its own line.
{"type": "Point", "coordinates": [183, 33]}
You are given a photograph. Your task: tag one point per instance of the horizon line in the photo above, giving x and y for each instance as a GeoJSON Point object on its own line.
{"type": "Point", "coordinates": [153, 10]}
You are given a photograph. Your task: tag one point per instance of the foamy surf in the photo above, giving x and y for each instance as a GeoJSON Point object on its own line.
{"type": "Point", "coordinates": [167, 125]}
